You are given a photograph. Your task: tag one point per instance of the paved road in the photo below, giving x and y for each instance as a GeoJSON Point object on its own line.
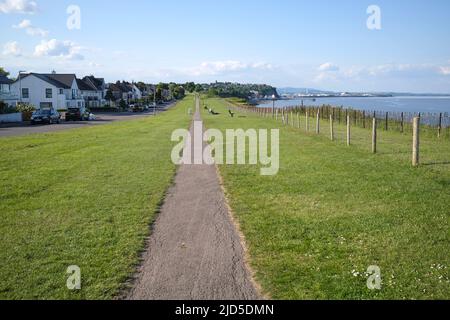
{"type": "Point", "coordinates": [194, 251]}
{"type": "Point", "coordinates": [9, 130]}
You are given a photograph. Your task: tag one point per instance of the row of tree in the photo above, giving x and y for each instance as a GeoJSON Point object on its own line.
{"type": "Point", "coordinates": [231, 89]}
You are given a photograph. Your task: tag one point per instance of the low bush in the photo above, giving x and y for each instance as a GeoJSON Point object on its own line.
{"type": "Point", "coordinates": [26, 109]}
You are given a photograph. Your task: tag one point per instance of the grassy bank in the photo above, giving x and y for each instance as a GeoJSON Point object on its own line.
{"type": "Point", "coordinates": [333, 211]}
{"type": "Point", "coordinates": [81, 197]}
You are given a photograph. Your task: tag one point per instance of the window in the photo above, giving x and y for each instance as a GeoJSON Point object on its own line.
{"type": "Point", "coordinates": [46, 105]}
{"type": "Point", "coordinates": [48, 93]}
{"type": "Point", "coordinates": [25, 93]}
{"type": "Point", "coordinates": [61, 91]}
{"type": "Point", "coordinates": [74, 93]}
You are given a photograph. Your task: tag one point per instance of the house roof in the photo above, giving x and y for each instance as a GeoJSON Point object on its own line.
{"type": "Point", "coordinates": [97, 82]}
{"type": "Point", "coordinates": [85, 85]}
{"type": "Point", "coordinates": [5, 80]}
{"type": "Point", "coordinates": [59, 80]}
{"type": "Point", "coordinates": [65, 79]}
{"type": "Point", "coordinates": [121, 86]}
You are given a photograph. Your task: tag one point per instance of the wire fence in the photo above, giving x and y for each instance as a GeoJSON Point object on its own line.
{"type": "Point", "coordinates": [432, 124]}
{"type": "Point", "coordinates": [393, 133]}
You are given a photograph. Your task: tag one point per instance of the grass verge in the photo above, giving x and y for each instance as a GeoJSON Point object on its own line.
{"type": "Point", "coordinates": [332, 211]}
{"type": "Point", "coordinates": [82, 197]}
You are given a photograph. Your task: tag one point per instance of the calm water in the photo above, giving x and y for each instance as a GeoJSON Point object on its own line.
{"type": "Point", "coordinates": [397, 104]}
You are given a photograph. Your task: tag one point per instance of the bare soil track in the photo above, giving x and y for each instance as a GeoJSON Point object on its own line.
{"type": "Point", "coordinates": [194, 251]}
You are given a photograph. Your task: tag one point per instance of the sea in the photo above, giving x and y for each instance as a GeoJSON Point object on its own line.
{"type": "Point", "coordinates": [413, 104]}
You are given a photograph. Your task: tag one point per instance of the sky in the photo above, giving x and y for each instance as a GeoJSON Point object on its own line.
{"type": "Point", "coordinates": [322, 44]}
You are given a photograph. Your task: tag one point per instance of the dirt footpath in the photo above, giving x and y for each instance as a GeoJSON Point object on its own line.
{"type": "Point", "coordinates": [194, 250]}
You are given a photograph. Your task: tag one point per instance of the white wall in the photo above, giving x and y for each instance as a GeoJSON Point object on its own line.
{"type": "Point", "coordinates": [36, 88]}
{"type": "Point", "coordinates": [10, 117]}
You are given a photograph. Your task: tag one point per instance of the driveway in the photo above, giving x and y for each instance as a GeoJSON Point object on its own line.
{"type": "Point", "coordinates": [11, 130]}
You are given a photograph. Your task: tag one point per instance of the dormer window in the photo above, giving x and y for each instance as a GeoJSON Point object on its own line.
{"type": "Point", "coordinates": [48, 93]}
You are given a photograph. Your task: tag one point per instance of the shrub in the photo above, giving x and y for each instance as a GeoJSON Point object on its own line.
{"type": "Point", "coordinates": [26, 109]}
{"type": "Point", "coordinates": [5, 108]}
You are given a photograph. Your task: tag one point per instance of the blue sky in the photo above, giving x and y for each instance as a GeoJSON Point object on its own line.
{"type": "Point", "coordinates": [319, 44]}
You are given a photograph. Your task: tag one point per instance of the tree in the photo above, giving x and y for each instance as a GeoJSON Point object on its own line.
{"type": "Point", "coordinates": [212, 92]}
{"type": "Point", "coordinates": [178, 92]}
{"type": "Point", "coordinates": [3, 72]}
{"type": "Point", "coordinates": [109, 95]}
{"type": "Point", "coordinates": [198, 88]}
{"type": "Point", "coordinates": [172, 89]}
{"type": "Point", "coordinates": [122, 104]}
{"type": "Point", "coordinates": [189, 86]}
{"type": "Point", "coordinates": [158, 94]}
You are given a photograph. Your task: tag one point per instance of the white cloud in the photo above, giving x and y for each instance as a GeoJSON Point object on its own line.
{"type": "Point", "coordinates": [445, 71]}
{"type": "Point", "coordinates": [55, 48]}
{"type": "Point", "coordinates": [30, 29]}
{"type": "Point", "coordinates": [18, 6]}
{"type": "Point", "coordinates": [328, 67]}
{"type": "Point", "coordinates": [384, 71]}
{"type": "Point", "coordinates": [12, 49]}
{"type": "Point", "coordinates": [327, 71]}
{"type": "Point", "coordinates": [94, 64]}
{"type": "Point", "coordinates": [227, 66]}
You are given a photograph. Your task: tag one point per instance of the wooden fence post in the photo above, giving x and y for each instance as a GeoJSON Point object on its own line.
{"type": "Point", "coordinates": [402, 125]}
{"type": "Point", "coordinates": [387, 121]}
{"type": "Point", "coordinates": [348, 131]}
{"type": "Point", "coordinates": [416, 142]}
{"type": "Point", "coordinates": [318, 122]}
{"type": "Point", "coordinates": [307, 120]}
{"type": "Point", "coordinates": [374, 136]}
{"type": "Point", "coordinates": [331, 127]}
{"type": "Point", "coordinates": [364, 119]}
{"type": "Point", "coordinates": [440, 125]}
{"type": "Point", "coordinates": [298, 119]}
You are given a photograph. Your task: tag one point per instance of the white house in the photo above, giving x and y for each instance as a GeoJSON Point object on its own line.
{"type": "Point", "coordinates": [6, 95]}
{"type": "Point", "coordinates": [137, 94]}
{"type": "Point", "coordinates": [93, 91]}
{"type": "Point", "coordinates": [125, 90]}
{"type": "Point", "coordinates": [95, 95]}
{"type": "Point", "coordinates": [57, 91]}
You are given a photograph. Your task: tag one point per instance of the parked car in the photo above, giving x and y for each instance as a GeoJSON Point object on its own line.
{"type": "Point", "coordinates": [48, 116]}
{"type": "Point", "coordinates": [137, 108]}
{"type": "Point", "coordinates": [77, 114]}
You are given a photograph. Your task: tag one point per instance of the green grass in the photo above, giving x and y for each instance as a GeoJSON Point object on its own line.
{"type": "Point", "coordinates": [333, 211]}
{"type": "Point", "coordinates": [82, 197]}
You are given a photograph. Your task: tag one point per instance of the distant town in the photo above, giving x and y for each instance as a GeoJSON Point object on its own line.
{"type": "Point", "coordinates": [300, 93]}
